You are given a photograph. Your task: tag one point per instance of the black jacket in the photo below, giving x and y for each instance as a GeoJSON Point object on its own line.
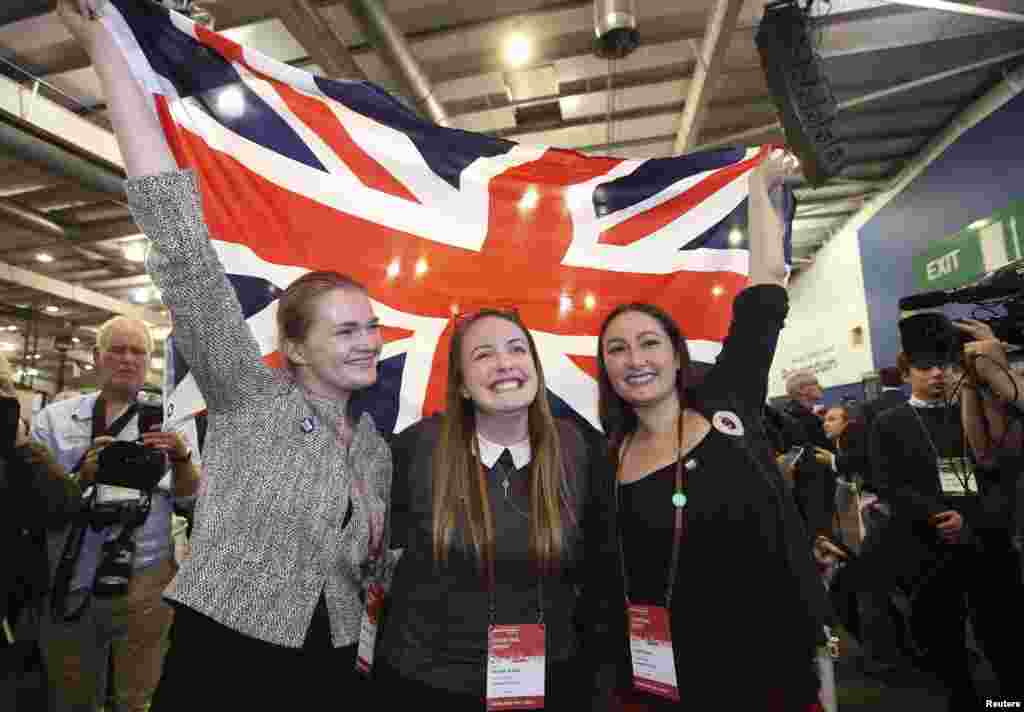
{"type": "Point", "coordinates": [814, 484]}
{"type": "Point", "coordinates": [35, 494]}
{"type": "Point", "coordinates": [886, 401]}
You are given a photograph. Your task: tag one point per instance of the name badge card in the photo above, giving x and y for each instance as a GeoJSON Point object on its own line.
{"type": "Point", "coordinates": [953, 472]}
{"type": "Point", "coordinates": [368, 628]}
{"type": "Point", "coordinates": [650, 646]}
{"type": "Point", "coordinates": [515, 667]}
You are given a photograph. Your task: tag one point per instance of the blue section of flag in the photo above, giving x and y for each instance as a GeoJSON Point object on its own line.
{"type": "Point", "coordinates": [254, 293]}
{"type": "Point", "coordinates": [200, 73]}
{"type": "Point", "coordinates": [655, 175]}
{"type": "Point", "coordinates": [381, 400]}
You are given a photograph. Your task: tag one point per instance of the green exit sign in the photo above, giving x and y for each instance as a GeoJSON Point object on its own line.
{"type": "Point", "coordinates": [981, 247]}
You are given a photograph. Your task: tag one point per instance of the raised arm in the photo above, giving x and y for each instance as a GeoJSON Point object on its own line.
{"type": "Point", "coordinates": [767, 222]}
{"type": "Point", "coordinates": [209, 326]}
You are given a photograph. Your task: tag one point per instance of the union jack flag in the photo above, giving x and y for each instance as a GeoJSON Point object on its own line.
{"type": "Point", "coordinates": [302, 173]}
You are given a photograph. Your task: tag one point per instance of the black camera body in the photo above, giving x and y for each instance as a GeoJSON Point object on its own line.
{"type": "Point", "coordinates": [127, 473]}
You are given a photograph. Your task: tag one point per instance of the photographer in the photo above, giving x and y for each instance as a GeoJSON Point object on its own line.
{"type": "Point", "coordinates": [35, 494]}
{"type": "Point", "coordinates": [937, 541]}
{"type": "Point", "coordinates": [106, 609]}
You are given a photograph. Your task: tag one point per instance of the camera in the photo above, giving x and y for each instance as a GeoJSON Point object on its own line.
{"type": "Point", "coordinates": [999, 296]}
{"type": "Point", "coordinates": [126, 476]}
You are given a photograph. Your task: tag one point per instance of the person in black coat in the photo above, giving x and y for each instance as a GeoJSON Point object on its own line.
{"type": "Point", "coordinates": [35, 494]}
{"type": "Point", "coordinates": [814, 483]}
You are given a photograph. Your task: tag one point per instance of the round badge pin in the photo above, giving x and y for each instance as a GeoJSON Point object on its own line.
{"type": "Point", "coordinates": [727, 423]}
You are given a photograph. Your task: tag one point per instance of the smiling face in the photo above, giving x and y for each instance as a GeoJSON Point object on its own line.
{"type": "Point", "coordinates": [640, 359]}
{"type": "Point", "coordinates": [340, 349]}
{"type": "Point", "coordinates": [499, 373]}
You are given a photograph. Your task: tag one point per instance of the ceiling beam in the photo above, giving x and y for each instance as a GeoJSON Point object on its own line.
{"type": "Point", "coordinates": [710, 58]}
{"type": "Point", "coordinates": [318, 38]}
{"type": "Point", "coordinates": [74, 293]}
{"type": "Point", "coordinates": [960, 8]}
{"type": "Point", "coordinates": [65, 236]}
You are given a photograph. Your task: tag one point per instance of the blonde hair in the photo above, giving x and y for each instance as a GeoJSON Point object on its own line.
{"type": "Point", "coordinates": [104, 335]}
{"type": "Point", "coordinates": [797, 380]}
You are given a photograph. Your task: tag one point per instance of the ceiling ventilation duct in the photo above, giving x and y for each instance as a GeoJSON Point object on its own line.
{"type": "Point", "coordinates": [615, 28]}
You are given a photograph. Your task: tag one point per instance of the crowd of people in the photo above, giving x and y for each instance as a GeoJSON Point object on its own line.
{"type": "Point", "coordinates": [492, 554]}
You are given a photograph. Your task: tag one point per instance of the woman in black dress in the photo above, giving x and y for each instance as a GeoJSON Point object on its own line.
{"type": "Point", "coordinates": [709, 534]}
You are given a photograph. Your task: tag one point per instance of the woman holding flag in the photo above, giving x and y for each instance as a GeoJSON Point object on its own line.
{"type": "Point", "coordinates": [724, 604]}
{"type": "Point", "coordinates": [290, 532]}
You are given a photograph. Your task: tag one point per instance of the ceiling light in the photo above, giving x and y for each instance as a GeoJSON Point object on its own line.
{"type": "Point", "coordinates": [421, 266]}
{"type": "Point", "coordinates": [12, 327]}
{"type": "Point", "coordinates": [717, 291]}
{"type": "Point", "coordinates": [394, 269]}
{"type": "Point", "coordinates": [231, 102]}
{"type": "Point", "coordinates": [31, 371]}
{"type": "Point", "coordinates": [134, 251]}
{"type": "Point", "coordinates": [517, 50]}
{"type": "Point", "coordinates": [75, 340]}
{"type": "Point", "coordinates": [590, 301]}
{"type": "Point", "coordinates": [735, 237]}
{"type": "Point", "coordinates": [529, 200]}
{"type": "Point", "coordinates": [53, 308]}
{"type": "Point", "coordinates": [564, 304]}
{"type": "Point", "coordinates": [88, 367]}
{"type": "Point", "coordinates": [44, 257]}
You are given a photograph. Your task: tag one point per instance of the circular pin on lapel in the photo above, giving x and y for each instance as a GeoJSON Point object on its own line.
{"type": "Point", "coordinates": [727, 423]}
{"type": "Point", "coordinates": [679, 499]}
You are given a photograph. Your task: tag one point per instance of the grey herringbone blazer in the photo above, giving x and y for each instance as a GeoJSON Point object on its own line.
{"type": "Point", "coordinates": [269, 534]}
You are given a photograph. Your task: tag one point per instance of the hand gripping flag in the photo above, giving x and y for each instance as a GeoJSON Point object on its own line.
{"type": "Point", "coordinates": [303, 173]}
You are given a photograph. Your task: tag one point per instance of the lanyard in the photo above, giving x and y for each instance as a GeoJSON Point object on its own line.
{"type": "Point", "coordinates": [492, 603]}
{"type": "Point", "coordinates": [965, 479]}
{"type": "Point", "coordinates": [679, 523]}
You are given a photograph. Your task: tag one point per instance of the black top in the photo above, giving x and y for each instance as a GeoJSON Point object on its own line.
{"type": "Point", "coordinates": [747, 595]}
{"type": "Point", "coordinates": [814, 483]}
{"type": "Point", "coordinates": [436, 628]}
{"type": "Point", "coordinates": [905, 466]}
{"type": "Point", "coordinates": [35, 494]}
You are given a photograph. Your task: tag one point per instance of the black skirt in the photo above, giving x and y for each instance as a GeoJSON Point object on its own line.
{"type": "Point", "coordinates": [208, 661]}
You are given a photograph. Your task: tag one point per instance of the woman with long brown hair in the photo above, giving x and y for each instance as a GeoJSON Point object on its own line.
{"type": "Point", "coordinates": [503, 520]}
{"type": "Point", "coordinates": [725, 607]}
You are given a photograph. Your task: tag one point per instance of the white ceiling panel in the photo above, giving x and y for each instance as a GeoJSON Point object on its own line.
{"type": "Point", "coordinates": [487, 121]}
{"type": "Point", "coordinates": [269, 37]}
{"type": "Point", "coordinates": [627, 99]}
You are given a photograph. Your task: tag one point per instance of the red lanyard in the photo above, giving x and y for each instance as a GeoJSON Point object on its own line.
{"type": "Point", "coordinates": [678, 503]}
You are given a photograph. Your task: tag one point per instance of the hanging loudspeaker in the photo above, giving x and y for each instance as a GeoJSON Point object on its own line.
{"type": "Point", "coordinates": [800, 89]}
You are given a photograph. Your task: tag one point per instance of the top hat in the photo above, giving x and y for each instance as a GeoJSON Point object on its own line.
{"type": "Point", "coordinates": [929, 339]}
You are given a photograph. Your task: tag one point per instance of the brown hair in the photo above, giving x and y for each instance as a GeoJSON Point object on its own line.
{"type": "Point", "coordinates": [903, 364]}
{"type": "Point", "coordinates": [460, 485]}
{"type": "Point", "coordinates": [296, 304]}
{"type": "Point", "coordinates": [618, 419]}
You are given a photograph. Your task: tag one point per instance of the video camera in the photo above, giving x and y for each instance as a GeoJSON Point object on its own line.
{"type": "Point", "coordinates": [999, 296]}
{"type": "Point", "coordinates": [126, 476]}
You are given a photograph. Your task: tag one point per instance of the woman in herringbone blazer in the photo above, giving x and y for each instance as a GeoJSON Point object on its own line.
{"type": "Point", "coordinates": [290, 528]}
